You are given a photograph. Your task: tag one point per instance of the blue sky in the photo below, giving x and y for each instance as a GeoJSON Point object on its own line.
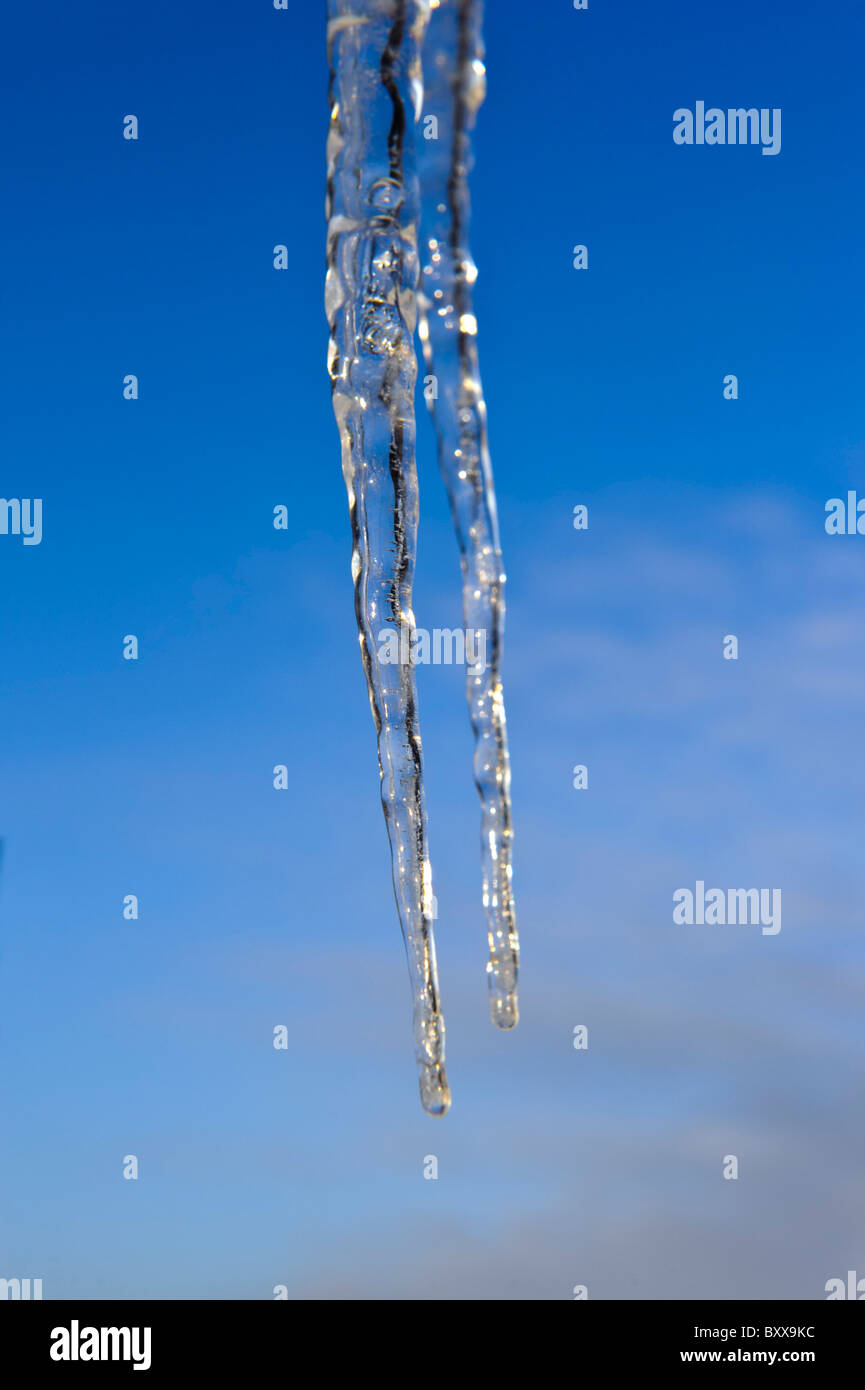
{"type": "Point", "coordinates": [259, 907]}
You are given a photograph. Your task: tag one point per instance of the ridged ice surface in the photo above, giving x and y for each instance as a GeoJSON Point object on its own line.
{"type": "Point", "coordinates": [371, 303]}
{"type": "Point", "coordinates": [373, 271]}
{"type": "Point", "coordinates": [454, 86]}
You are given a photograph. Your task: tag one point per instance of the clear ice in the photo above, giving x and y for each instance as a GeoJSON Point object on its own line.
{"type": "Point", "coordinates": [371, 298]}
{"type": "Point", "coordinates": [454, 87]}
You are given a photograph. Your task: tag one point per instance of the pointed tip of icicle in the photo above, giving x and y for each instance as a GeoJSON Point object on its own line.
{"type": "Point", "coordinates": [505, 1011]}
{"type": "Point", "coordinates": [435, 1092]}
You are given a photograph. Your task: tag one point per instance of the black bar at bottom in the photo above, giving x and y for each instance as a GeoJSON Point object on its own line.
{"type": "Point", "coordinates": [218, 1338]}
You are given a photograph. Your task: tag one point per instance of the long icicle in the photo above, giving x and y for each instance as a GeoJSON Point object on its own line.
{"type": "Point", "coordinates": [454, 86]}
{"type": "Point", "coordinates": [371, 304]}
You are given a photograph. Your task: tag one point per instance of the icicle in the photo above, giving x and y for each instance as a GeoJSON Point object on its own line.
{"type": "Point", "coordinates": [454, 85]}
{"type": "Point", "coordinates": [372, 274]}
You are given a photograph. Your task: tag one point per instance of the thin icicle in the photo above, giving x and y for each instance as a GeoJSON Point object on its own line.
{"type": "Point", "coordinates": [454, 86]}
{"type": "Point", "coordinates": [372, 274]}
